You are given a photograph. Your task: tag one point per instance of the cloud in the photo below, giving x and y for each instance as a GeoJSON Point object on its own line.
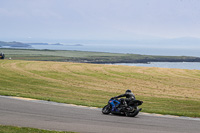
{"type": "Point", "coordinates": [114, 19]}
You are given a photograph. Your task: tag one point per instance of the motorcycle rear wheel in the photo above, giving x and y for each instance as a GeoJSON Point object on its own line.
{"type": "Point", "coordinates": [132, 114]}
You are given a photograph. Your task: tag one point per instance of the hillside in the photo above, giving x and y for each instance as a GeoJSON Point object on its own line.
{"type": "Point", "coordinates": [13, 44]}
{"type": "Point", "coordinates": [166, 91]}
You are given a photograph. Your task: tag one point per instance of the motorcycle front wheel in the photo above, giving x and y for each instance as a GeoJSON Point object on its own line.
{"type": "Point", "coordinates": [106, 109]}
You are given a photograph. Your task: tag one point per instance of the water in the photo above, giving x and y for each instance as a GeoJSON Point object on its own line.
{"type": "Point", "coordinates": [128, 48]}
{"type": "Point", "coordinates": [179, 65]}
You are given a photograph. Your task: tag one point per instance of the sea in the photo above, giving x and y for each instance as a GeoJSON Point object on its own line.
{"type": "Point", "coordinates": [178, 65]}
{"type": "Point", "coordinates": [127, 48]}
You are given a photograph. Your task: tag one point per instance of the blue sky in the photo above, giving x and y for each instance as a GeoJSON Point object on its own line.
{"type": "Point", "coordinates": [99, 19]}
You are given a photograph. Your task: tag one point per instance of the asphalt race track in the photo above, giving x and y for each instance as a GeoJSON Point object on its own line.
{"type": "Point", "coordinates": [64, 117]}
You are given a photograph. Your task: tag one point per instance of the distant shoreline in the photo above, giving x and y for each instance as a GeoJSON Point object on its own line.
{"type": "Point", "coordinates": [15, 44]}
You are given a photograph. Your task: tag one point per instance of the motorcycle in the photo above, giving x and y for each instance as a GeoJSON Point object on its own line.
{"type": "Point", "coordinates": [131, 109]}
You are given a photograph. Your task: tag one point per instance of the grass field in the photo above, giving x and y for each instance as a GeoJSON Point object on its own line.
{"type": "Point", "coordinates": [165, 91]}
{"type": "Point", "coordinates": [91, 57]}
{"type": "Point", "coordinates": [51, 55]}
{"type": "Point", "coordinates": [12, 129]}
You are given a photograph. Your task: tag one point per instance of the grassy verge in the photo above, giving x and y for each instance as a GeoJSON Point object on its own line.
{"type": "Point", "coordinates": [13, 129]}
{"type": "Point", "coordinates": [165, 91]}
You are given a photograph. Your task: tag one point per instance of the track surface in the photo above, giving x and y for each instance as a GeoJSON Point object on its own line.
{"type": "Point", "coordinates": [64, 117]}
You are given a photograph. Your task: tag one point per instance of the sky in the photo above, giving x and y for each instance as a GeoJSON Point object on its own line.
{"type": "Point", "coordinates": [99, 19]}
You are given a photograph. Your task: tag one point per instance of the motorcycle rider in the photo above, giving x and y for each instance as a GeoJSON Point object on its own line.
{"type": "Point", "coordinates": [129, 97]}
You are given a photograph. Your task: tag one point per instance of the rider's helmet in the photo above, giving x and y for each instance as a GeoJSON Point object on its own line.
{"type": "Point", "coordinates": [128, 91]}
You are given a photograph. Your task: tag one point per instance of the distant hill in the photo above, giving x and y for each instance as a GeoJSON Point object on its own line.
{"type": "Point", "coordinates": [13, 44]}
{"type": "Point", "coordinates": [22, 45]}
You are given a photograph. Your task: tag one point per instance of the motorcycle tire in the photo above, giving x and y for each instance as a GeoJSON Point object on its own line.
{"type": "Point", "coordinates": [134, 113]}
{"type": "Point", "coordinates": [106, 109]}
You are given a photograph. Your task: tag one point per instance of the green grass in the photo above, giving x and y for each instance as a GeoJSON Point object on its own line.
{"type": "Point", "coordinates": [171, 106]}
{"type": "Point", "coordinates": [91, 57]}
{"type": "Point", "coordinates": [165, 91]}
{"type": "Point", "coordinates": [52, 53]}
{"type": "Point", "coordinates": [13, 129]}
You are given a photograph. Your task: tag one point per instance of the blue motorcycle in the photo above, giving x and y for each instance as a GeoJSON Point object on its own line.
{"type": "Point", "coordinates": [129, 109]}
